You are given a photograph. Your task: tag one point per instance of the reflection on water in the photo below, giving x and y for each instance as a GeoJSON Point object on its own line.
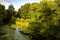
{"type": "Point", "coordinates": [18, 32]}
{"type": "Point", "coordinates": [19, 36]}
{"type": "Point", "coordinates": [11, 34]}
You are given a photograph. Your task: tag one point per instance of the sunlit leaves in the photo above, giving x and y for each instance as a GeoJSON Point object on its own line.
{"type": "Point", "coordinates": [24, 10]}
{"type": "Point", "coordinates": [38, 17]}
{"type": "Point", "coordinates": [22, 24]}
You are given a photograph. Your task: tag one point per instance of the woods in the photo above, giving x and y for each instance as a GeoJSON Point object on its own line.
{"type": "Point", "coordinates": [40, 21]}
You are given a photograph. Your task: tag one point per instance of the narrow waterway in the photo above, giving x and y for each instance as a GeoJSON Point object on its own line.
{"type": "Point", "coordinates": [12, 34]}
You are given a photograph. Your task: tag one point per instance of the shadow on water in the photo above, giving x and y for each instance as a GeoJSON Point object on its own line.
{"type": "Point", "coordinates": [8, 33]}
{"type": "Point", "coordinates": [19, 36]}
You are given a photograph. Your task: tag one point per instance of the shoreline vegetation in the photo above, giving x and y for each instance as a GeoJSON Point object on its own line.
{"type": "Point", "coordinates": [35, 21]}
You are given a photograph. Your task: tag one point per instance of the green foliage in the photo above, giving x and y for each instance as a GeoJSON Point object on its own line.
{"type": "Point", "coordinates": [11, 7]}
{"type": "Point", "coordinates": [37, 18]}
{"type": "Point", "coordinates": [10, 14]}
{"type": "Point", "coordinates": [43, 16]}
{"type": "Point", "coordinates": [2, 13]}
{"type": "Point", "coordinates": [24, 11]}
{"type": "Point", "coordinates": [8, 33]}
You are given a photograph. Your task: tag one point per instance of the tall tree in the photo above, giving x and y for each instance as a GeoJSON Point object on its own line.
{"type": "Point", "coordinates": [2, 13]}
{"type": "Point", "coordinates": [43, 16]}
{"type": "Point", "coordinates": [24, 11]}
{"type": "Point", "coordinates": [10, 12]}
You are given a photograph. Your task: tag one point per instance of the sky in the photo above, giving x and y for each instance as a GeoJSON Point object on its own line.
{"type": "Point", "coordinates": [17, 3]}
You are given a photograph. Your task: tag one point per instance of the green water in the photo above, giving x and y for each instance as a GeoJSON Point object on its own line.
{"type": "Point", "coordinates": [7, 33]}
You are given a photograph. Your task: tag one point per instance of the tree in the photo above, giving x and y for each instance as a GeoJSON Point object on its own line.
{"type": "Point", "coordinates": [10, 12]}
{"type": "Point", "coordinates": [43, 20]}
{"type": "Point", "coordinates": [24, 11]}
{"type": "Point", "coordinates": [2, 13]}
{"type": "Point", "coordinates": [11, 7]}
{"type": "Point", "coordinates": [57, 2]}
